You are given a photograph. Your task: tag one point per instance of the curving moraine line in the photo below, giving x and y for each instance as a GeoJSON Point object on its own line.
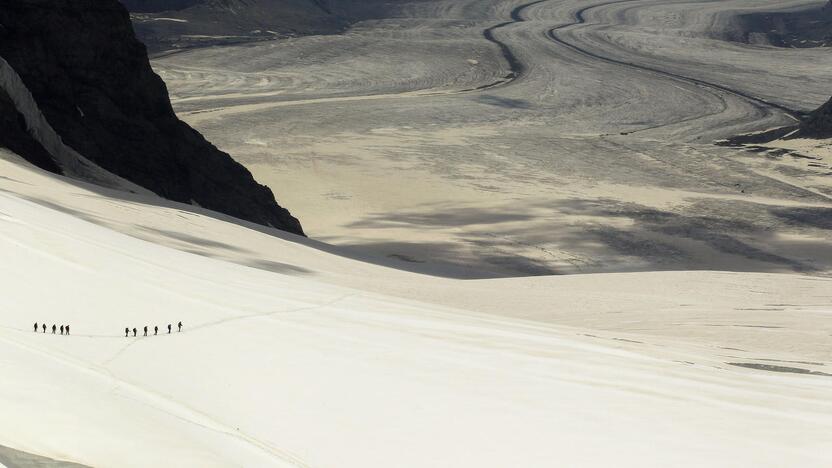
{"type": "Point", "coordinates": [516, 67]}
{"type": "Point", "coordinates": [760, 104]}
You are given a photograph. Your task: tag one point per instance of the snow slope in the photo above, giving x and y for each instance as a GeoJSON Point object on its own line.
{"type": "Point", "coordinates": [315, 359]}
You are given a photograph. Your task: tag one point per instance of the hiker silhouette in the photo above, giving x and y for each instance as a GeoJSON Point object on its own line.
{"type": "Point", "coordinates": [134, 331]}
{"type": "Point", "coordinates": [36, 327]}
{"type": "Point", "coordinates": [168, 329]}
{"type": "Point", "coordinates": [126, 332]}
{"type": "Point", "coordinates": [155, 330]}
{"type": "Point", "coordinates": [67, 329]}
{"type": "Point", "coordinates": [54, 328]}
{"type": "Point", "coordinates": [180, 326]}
{"type": "Point", "coordinates": [145, 330]}
{"type": "Point", "coordinates": [62, 329]}
{"type": "Point", "coordinates": [44, 328]}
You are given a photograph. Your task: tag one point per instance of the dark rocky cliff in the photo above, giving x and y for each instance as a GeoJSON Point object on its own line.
{"type": "Point", "coordinates": [818, 124]}
{"type": "Point", "coordinates": [91, 78]}
{"type": "Point", "coordinates": [15, 136]}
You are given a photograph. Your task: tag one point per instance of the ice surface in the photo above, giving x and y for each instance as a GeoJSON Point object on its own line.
{"type": "Point", "coordinates": [598, 157]}
{"type": "Point", "coordinates": [293, 363]}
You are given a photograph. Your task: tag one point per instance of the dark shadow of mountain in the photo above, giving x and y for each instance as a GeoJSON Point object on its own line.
{"type": "Point", "coordinates": [772, 368]}
{"type": "Point", "coordinates": [442, 259]}
{"type": "Point", "coordinates": [12, 458]}
{"type": "Point", "coordinates": [702, 234]}
{"type": "Point", "coordinates": [441, 216]}
{"type": "Point", "coordinates": [728, 227]}
{"type": "Point", "coordinates": [278, 267]}
{"type": "Point", "coordinates": [820, 218]}
{"type": "Point", "coordinates": [742, 229]}
{"type": "Point", "coordinates": [65, 209]}
{"type": "Point", "coordinates": [503, 102]}
{"type": "Point", "coordinates": [191, 239]}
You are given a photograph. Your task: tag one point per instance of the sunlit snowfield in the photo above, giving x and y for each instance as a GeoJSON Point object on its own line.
{"type": "Point", "coordinates": [596, 156]}
{"type": "Point", "coordinates": [463, 139]}
{"type": "Point", "coordinates": [313, 359]}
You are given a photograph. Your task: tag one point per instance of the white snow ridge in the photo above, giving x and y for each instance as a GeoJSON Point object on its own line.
{"type": "Point", "coordinates": [292, 367]}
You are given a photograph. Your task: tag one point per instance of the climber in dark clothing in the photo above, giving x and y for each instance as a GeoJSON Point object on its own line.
{"type": "Point", "coordinates": [67, 329]}
{"type": "Point", "coordinates": [62, 329]}
{"type": "Point", "coordinates": [155, 330]}
{"type": "Point", "coordinates": [126, 332]}
{"type": "Point", "coordinates": [180, 326]}
{"type": "Point", "coordinates": [36, 327]}
{"type": "Point", "coordinates": [134, 331]}
{"type": "Point", "coordinates": [145, 330]}
{"type": "Point", "coordinates": [44, 328]}
{"type": "Point", "coordinates": [168, 329]}
{"type": "Point", "coordinates": [54, 328]}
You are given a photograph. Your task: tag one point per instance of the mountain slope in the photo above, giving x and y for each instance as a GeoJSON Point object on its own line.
{"type": "Point", "coordinates": [815, 125]}
{"type": "Point", "coordinates": [184, 23]}
{"type": "Point", "coordinates": [91, 79]}
{"type": "Point", "coordinates": [818, 124]}
{"type": "Point", "coordinates": [15, 136]}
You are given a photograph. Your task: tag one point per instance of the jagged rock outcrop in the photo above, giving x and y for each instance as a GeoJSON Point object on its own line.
{"type": "Point", "coordinates": [818, 124]}
{"type": "Point", "coordinates": [14, 135]}
{"type": "Point", "coordinates": [173, 24]}
{"type": "Point", "coordinates": [91, 79]}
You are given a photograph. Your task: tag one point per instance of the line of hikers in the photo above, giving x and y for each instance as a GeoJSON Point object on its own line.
{"type": "Point", "coordinates": [64, 328]}
{"type": "Point", "coordinates": [155, 330]}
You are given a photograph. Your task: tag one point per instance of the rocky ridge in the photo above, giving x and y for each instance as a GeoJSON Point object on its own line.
{"type": "Point", "coordinates": [91, 79]}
